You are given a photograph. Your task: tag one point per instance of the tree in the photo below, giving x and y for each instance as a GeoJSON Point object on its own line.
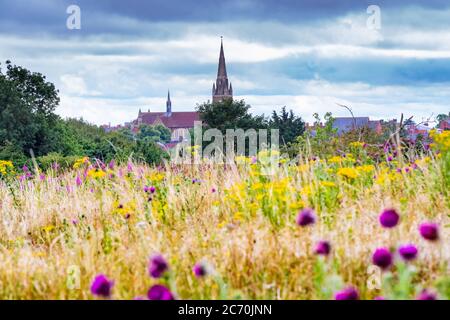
{"type": "Point", "coordinates": [289, 125]}
{"type": "Point", "coordinates": [230, 114]}
{"type": "Point", "coordinates": [27, 104]}
{"type": "Point", "coordinates": [156, 133]}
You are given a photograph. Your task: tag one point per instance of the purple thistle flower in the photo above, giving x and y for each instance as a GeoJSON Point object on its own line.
{"type": "Point", "coordinates": [200, 270]}
{"type": "Point", "coordinates": [427, 295]}
{"type": "Point", "coordinates": [323, 248]}
{"type": "Point", "coordinates": [382, 257]}
{"type": "Point", "coordinates": [389, 218]}
{"type": "Point", "coordinates": [158, 266]}
{"type": "Point", "coordinates": [408, 252]}
{"type": "Point", "coordinates": [101, 286]}
{"type": "Point", "coordinates": [25, 168]}
{"type": "Point", "coordinates": [306, 217]}
{"type": "Point", "coordinates": [112, 164]}
{"type": "Point", "coordinates": [429, 231]}
{"type": "Point", "coordinates": [130, 167]}
{"type": "Point", "coordinates": [152, 189]}
{"type": "Point", "coordinates": [349, 293]}
{"type": "Point", "coordinates": [159, 292]}
{"type": "Point", "coordinates": [78, 181]}
{"type": "Point", "coordinates": [213, 190]}
{"type": "Point", "coordinates": [42, 177]}
{"type": "Point", "coordinates": [389, 159]}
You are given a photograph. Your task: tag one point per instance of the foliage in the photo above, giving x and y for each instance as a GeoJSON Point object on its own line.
{"type": "Point", "coordinates": [289, 125]}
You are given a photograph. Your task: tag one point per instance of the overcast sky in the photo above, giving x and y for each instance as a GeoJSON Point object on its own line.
{"type": "Point", "coordinates": [307, 55]}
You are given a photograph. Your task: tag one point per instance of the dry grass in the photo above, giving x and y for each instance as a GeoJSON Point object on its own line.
{"type": "Point", "coordinates": [246, 232]}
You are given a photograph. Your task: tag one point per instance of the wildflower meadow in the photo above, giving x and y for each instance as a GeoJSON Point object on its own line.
{"type": "Point", "coordinates": [342, 226]}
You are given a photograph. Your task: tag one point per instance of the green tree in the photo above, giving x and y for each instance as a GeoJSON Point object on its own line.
{"type": "Point", "coordinates": [289, 125]}
{"type": "Point", "coordinates": [27, 104]}
{"type": "Point", "coordinates": [156, 133]}
{"type": "Point", "coordinates": [230, 114]}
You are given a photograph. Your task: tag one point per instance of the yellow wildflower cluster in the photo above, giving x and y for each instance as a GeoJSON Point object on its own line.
{"type": "Point", "coordinates": [6, 167]}
{"type": "Point", "coordinates": [96, 174]}
{"type": "Point", "coordinates": [80, 162]}
{"type": "Point", "coordinates": [349, 173]}
{"type": "Point", "coordinates": [156, 177]}
{"type": "Point", "coordinates": [441, 140]}
{"type": "Point", "coordinates": [124, 209]}
{"type": "Point", "coordinates": [368, 168]}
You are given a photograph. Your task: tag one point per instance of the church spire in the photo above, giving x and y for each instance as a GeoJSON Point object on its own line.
{"type": "Point", "coordinates": [221, 89]}
{"type": "Point", "coordinates": [168, 105]}
{"type": "Point", "coordinates": [222, 70]}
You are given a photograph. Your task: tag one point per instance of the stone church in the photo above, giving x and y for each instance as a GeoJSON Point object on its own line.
{"type": "Point", "coordinates": [181, 121]}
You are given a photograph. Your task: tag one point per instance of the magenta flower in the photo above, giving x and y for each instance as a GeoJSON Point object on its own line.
{"type": "Point", "coordinates": [408, 252]}
{"type": "Point", "coordinates": [112, 164]}
{"type": "Point", "coordinates": [101, 286]}
{"type": "Point", "coordinates": [130, 167]}
{"type": "Point", "coordinates": [382, 258]}
{"type": "Point", "coordinates": [349, 293]}
{"type": "Point", "coordinates": [389, 218]}
{"type": "Point", "coordinates": [158, 266]}
{"type": "Point", "coordinates": [427, 295]}
{"type": "Point", "coordinates": [200, 270]}
{"type": "Point", "coordinates": [323, 248]}
{"type": "Point", "coordinates": [78, 181]}
{"type": "Point", "coordinates": [306, 217]}
{"type": "Point", "coordinates": [429, 231]}
{"type": "Point", "coordinates": [159, 292]}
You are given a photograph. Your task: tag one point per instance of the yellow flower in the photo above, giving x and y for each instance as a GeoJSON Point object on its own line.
{"type": "Point", "coordinates": [349, 173]}
{"type": "Point", "coordinates": [222, 224]}
{"type": "Point", "coordinates": [156, 177]}
{"type": "Point", "coordinates": [5, 167]}
{"type": "Point", "coordinates": [80, 162]}
{"type": "Point", "coordinates": [329, 184]}
{"type": "Point", "coordinates": [357, 144]}
{"type": "Point", "coordinates": [48, 228]}
{"type": "Point", "coordinates": [238, 216]}
{"type": "Point", "coordinates": [366, 168]}
{"type": "Point", "coordinates": [96, 174]}
{"type": "Point", "coordinates": [335, 159]}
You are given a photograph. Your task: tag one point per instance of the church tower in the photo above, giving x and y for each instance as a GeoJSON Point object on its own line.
{"type": "Point", "coordinates": [221, 89]}
{"type": "Point", "coordinates": [168, 105]}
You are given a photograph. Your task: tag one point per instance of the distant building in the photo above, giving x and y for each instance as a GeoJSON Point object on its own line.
{"type": "Point", "coordinates": [221, 90]}
{"type": "Point", "coordinates": [345, 124]}
{"type": "Point", "coordinates": [179, 122]}
{"type": "Point", "coordinates": [445, 124]}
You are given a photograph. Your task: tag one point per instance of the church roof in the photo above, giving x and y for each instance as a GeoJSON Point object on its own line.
{"type": "Point", "coordinates": [181, 119]}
